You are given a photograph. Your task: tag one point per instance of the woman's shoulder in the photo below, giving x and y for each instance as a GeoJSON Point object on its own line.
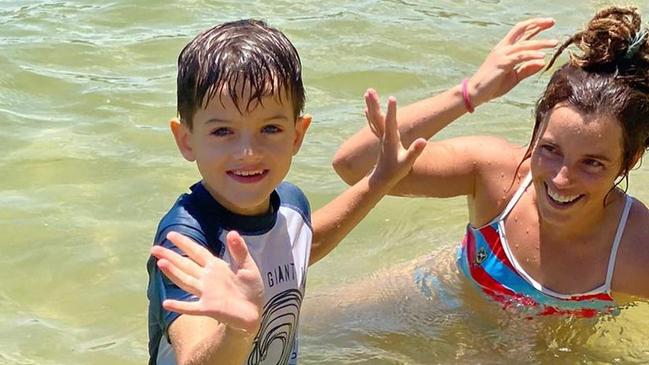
{"type": "Point", "coordinates": [637, 227]}
{"type": "Point", "coordinates": [502, 167]}
{"type": "Point", "coordinates": [632, 267]}
{"type": "Point", "coordinates": [499, 161]}
{"type": "Point", "coordinates": [488, 151]}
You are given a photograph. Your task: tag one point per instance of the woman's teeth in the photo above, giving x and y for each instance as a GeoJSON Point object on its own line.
{"type": "Point", "coordinates": [563, 199]}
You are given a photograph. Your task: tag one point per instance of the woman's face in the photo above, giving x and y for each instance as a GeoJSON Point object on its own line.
{"type": "Point", "coordinates": [575, 163]}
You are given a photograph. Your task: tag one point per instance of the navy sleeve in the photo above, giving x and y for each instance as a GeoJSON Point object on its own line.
{"type": "Point", "coordinates": [160, 287]}
{"type": "Point", "coordinates": [291, 196]}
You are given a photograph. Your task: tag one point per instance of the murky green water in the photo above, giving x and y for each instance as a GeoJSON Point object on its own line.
{"type": "Point", "coordinates": [88, 167]}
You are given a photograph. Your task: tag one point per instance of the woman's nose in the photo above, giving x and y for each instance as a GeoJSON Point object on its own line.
{"type": "Point", "coordinates": [562, 177]}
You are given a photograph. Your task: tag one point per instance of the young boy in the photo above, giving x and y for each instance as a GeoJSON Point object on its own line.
{"type": "Point", "coordinates": [247, 234]}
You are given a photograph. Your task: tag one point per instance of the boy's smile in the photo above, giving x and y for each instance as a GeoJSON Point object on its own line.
{"type": "Point", "coordinates": [248, 176]}
{"type": "Point", "coordinates": [242, 156]}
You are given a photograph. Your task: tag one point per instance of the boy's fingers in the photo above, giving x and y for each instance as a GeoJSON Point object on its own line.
{"type": "Point", "coordinates": [415, 149]}
{"type": "Point", "coordinates": [373, 106]}
{"type": "Point", "coordinates": [391, 132]}
{"type": "Point", "coordinates": [373, 125]}
{"type": "Point", "coordinates": [246, 320]}
{"type": "Point", "coordinates": [372, 94]}
{"type": "Point", "coordinates": [183, 263]}
{"type": "Point", "coordinates": [186, 282]}
{"type": "Point", "coordinates": [194, 251]}
{"type": "Point", "coordinates": [191, 308]}
{"type": "Point", "coordinates": [239, 251]}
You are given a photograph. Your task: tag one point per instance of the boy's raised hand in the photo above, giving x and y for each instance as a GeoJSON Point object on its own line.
{"type": "Point", "coordinates": [232, 293]}
{"type": "Point", "coordinates": [394, 161]}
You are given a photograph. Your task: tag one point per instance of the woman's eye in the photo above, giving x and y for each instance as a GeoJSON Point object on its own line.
{"type": "Point", "coordinates": [220, 132]}
{"type": "Point", "coordinates": [593, 163]}
{"type": "Point", "coordinates": [271, 129]}
{"type": "Point", "coordinates": [549, 148]}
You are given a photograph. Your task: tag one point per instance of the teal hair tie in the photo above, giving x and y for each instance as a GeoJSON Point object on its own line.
{"type": "Point", "coordinates": [636, 43]}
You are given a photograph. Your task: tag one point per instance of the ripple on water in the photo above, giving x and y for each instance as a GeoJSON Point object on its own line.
{"type": "Point", "coordinates": [88, 167]}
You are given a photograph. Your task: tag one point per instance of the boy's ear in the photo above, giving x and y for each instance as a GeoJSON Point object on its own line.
{"type": "Point", "coordinates": [182, 136]}
{"type": "Point", "coordinates": [301, 125]}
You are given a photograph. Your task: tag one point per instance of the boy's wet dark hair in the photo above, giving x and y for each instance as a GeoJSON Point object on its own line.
{"type": "Point", "coordinates": [224, 59]}
{"type": "Point", "coordinates": [610, 77]}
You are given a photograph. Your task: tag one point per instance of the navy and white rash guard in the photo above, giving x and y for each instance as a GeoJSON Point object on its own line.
{"type": "Point", "coordinates": [279, 242]}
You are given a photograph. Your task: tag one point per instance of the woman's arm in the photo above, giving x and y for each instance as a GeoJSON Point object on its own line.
{"type": "Point", "coordinates": [513, 59]}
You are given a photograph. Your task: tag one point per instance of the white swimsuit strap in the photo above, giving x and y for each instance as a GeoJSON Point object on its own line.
{"type": "Point", "coordinates": [521, 190]}
{"type": "Point", "coordinates": [616, 242]}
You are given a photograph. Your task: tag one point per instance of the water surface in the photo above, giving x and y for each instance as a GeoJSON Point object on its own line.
{"type": "Point", "coordinates": [89, 166]}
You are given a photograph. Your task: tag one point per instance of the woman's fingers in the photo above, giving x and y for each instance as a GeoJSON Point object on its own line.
{"type": "Point", "coordinates": [527, 29]}
{"type": "Point", "coordinates": [193, 250]}
{"type": "Point", "coordinates": [529, 68]}
{"type": "Point", "coordinates": [533, 45]}
{"type": "Point", "coordinates": [531, 32]}
{"type": "Point", "coordinates": [525, 56]}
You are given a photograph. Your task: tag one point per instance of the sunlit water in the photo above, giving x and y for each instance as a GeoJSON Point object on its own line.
{"type": "Point", "coordinates": [88, 167]}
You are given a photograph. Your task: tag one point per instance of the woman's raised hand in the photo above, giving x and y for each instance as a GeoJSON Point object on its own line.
{"type": "Point", "coordinates": [514, 58]}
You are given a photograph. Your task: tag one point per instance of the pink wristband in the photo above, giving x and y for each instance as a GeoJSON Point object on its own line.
{"type": "Point", "coordinates": [465, 95]}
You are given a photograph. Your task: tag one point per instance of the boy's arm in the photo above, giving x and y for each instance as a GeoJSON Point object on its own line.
{"type": "Point", "coordinates": [204, 340]}
{"type": "Point", "coordinates": [220, 326]}
{"type": "Point", "coordinates": [337, 218]}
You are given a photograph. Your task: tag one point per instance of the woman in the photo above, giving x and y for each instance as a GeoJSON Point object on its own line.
{"type": "Point", "coordinates": [549, 227]}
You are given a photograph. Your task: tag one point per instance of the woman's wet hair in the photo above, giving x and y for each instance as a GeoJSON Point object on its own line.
{"type": "Point", "coordinates": [225, 59]}
{"type": "Point", "coordinates": [609, 77]}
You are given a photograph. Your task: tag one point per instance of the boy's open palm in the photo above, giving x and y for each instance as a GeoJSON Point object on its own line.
{"type": "Point", "coordinates": [230, 293]}
{"type": "Point", "coordinates": [394, 160]}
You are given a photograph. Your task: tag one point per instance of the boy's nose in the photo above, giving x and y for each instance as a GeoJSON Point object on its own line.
{"type": "Point", "coordinates": [248, 149]}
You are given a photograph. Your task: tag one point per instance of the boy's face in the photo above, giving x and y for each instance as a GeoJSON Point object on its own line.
{"type": "Point", "coordinates": [242, 157]}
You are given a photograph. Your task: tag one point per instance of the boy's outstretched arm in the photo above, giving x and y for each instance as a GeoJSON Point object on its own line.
{"type": "Point", "coordinates": [220, 326]}
{"type": "Point", "coordinates": [336, 219]}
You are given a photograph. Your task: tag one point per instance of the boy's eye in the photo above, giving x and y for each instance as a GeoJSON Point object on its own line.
{"type": "Point", "coordinates": [221, 132]}
{"type": "Point", "coordinates": [271, 129]}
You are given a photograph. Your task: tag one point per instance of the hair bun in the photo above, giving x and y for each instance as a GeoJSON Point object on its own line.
{"type": "Point", "coordinates": [610, 38]}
